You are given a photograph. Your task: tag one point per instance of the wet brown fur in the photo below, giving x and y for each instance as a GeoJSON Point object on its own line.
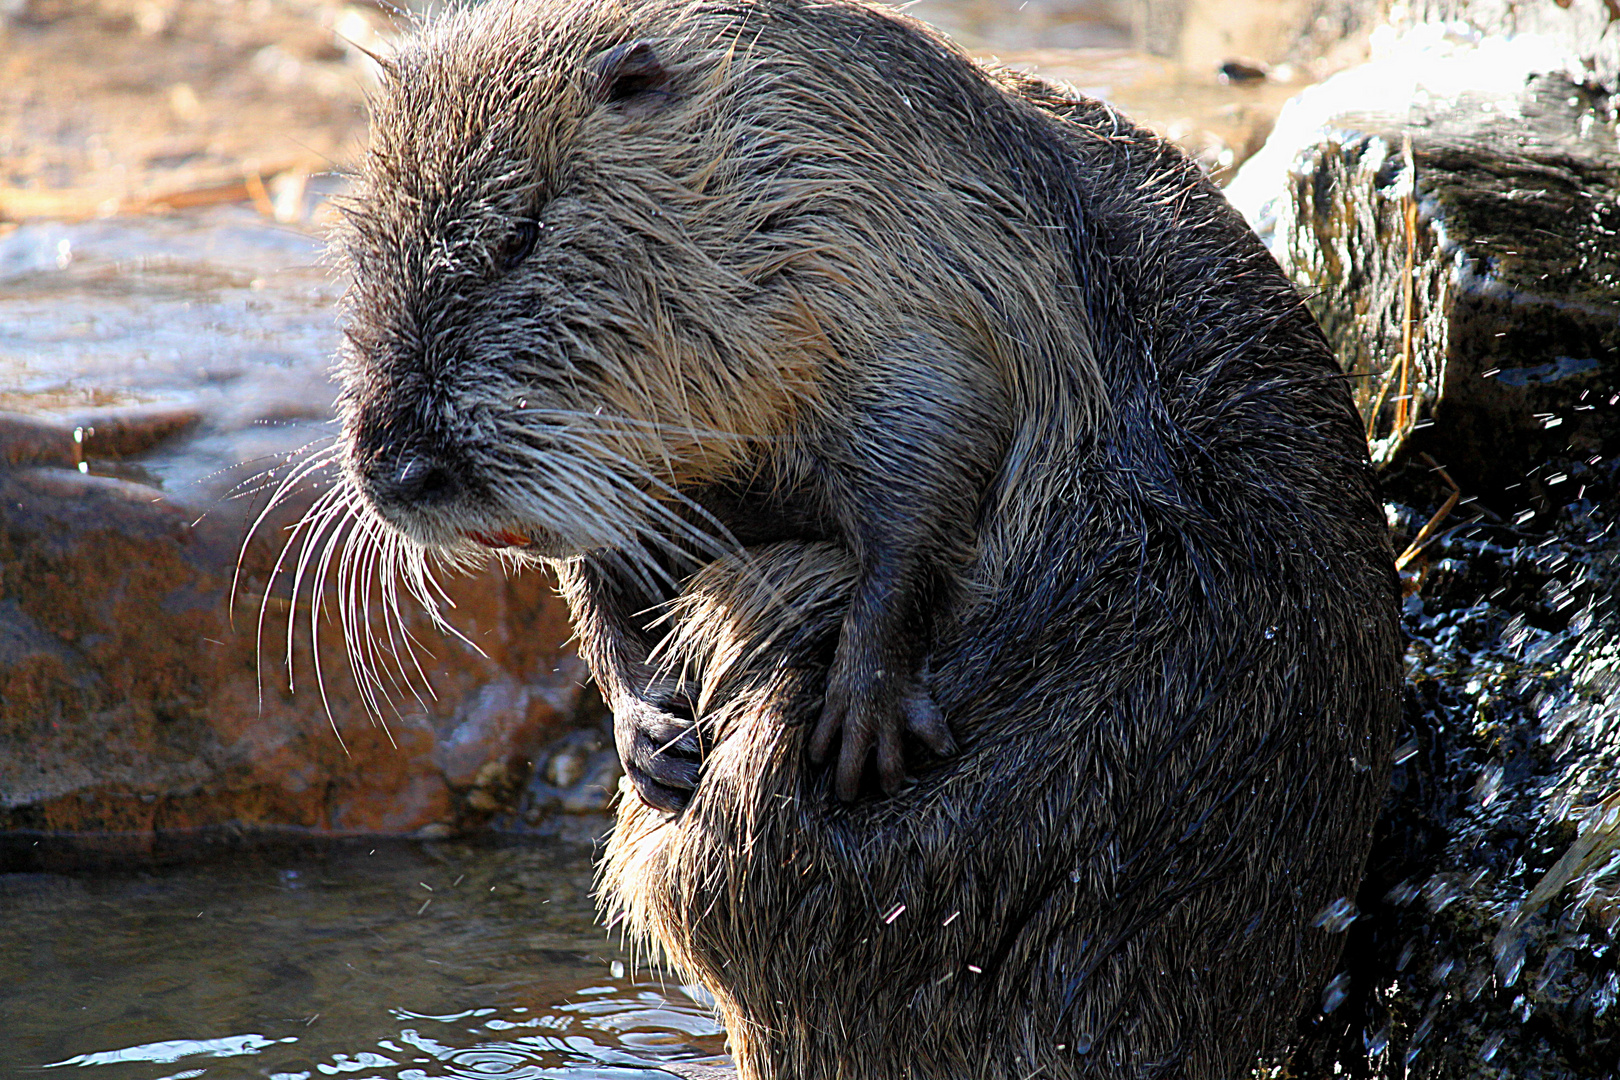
{"type": "Point", "coordinates": [833, 285]}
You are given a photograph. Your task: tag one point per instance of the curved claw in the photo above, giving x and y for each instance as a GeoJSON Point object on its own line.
{"type": "Point", "coordinates": [660, 751]}
{"type": "Point", "coordinates": [926, 722]}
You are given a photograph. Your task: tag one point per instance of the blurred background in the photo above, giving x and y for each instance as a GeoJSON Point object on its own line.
{"type": "Point", "coordinates": [117, 103]}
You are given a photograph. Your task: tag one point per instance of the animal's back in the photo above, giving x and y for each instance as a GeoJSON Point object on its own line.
{"type": "Point", "coordinates": [1171, 669]}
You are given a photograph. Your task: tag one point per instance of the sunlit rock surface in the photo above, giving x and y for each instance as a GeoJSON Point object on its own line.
{"type": "Point", "coordinates": [143, 362]}
{"type": "Point", "coordinates": [1450, 210]}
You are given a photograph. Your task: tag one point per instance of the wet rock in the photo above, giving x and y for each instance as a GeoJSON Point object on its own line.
{"type": "Point", "coordinates": [1451, 211]}
{"type": "Point", "coordinates": [28, 440]}
{"type": "Point", "coordinates": [134, 705]}
{"type": "Point", "coordinates": [1458, 236]}
{"type": "Point", "coordinates": [579, 771]}
{"type": "Point", "coordinates": [123, 433]}
{"type": "Point", "coordinates": [107, 434]}
{"type": "Point", "coordinates": [144, 697]}
{"type": "Point", "coordinates": [1480, 944]}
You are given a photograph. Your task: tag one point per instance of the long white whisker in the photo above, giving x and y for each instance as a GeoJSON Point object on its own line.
{"type": "Point", "coordinates": [335, 536]}
{"type": "Point", "coordinates": [296, 535]}
{"type": "Point", "coordinates": [712, 544]}
{"type": "Point", "coordinates": [328, 511]}
{"type": "Point", "coordinates": [383, 542]}
{"type": "Point", "coordinates": [413, 647]}
{"type": "Point", "coordinates": [284, 490]}
{"type": "Point", "coordinates": [354, 616]}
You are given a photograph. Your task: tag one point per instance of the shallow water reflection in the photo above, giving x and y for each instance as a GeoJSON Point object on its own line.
{"type": "Point", "coordinates": [414, 962]}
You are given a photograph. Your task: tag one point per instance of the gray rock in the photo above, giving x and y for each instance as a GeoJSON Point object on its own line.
{"type": "Point", "coordinates": [1462, 254]}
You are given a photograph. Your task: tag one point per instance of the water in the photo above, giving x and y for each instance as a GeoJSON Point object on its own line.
{"type": "Point", "coordinates": [218, 313]}
{"type": "Point", "coordinates": [367, 960]}
{"type": "Point", "coordinates": [382, 960]}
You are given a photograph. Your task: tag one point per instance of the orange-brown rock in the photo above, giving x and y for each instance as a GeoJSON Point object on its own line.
{"type": "Point", "coordinates": [136, 711]}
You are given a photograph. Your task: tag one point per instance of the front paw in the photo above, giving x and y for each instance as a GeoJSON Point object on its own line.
{"type": "Point", "coordinates": [660, 749]}
{"type": "Point", "coordinates": [863, 711]}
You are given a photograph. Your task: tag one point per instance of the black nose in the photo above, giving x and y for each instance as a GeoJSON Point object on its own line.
{"type": "Point", "coordinates": [415, 480]}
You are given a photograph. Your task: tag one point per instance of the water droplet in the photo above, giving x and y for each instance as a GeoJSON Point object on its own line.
{"type": "Point", "coordinates": [1074, 876]}
{"type": "Point", "coordinates": [1510, 958]}
{"type": "Point", "coordinates": [1082, 1045]}
{"type": "Point", "coordinates": [1551, 968]}
{"type": "Point", "coordinates": [1421, 1033]}
{"type": "Point", "coordinates": [1603, 995]}
{"type": "Point", "coordinates": [1337, 916]}
{"type": "Point", "coordinates": [1403, 894]}
{"type": "Point", "coordinates": [1440, 892]}
{"type": "Point", "coordinates": [1271, 633]}
{"type": "Point", "coordinates": [1334, 993]}
{"type": "Point", "coordinates": [617, 969]}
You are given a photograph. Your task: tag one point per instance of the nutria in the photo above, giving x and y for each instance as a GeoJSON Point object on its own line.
{"type": "Point", "coordinates": [864, 397]}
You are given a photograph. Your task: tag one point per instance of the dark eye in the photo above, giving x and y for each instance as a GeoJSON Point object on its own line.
{"type": "Point", "coordinates": [519, 243]}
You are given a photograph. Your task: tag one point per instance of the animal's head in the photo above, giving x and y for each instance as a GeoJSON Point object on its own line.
{"type": "Point", "coordinates": [602, 251]}
{"type": "Point", "coordinates": [560, 310]}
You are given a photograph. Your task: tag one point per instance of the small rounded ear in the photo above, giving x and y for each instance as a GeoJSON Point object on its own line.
{"type": "Point", "coordinates": [629, 71]}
